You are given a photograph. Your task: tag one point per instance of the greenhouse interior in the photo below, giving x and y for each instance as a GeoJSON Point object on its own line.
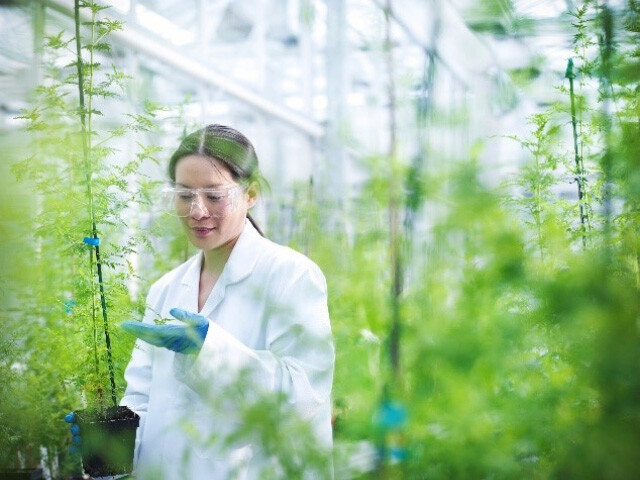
{"type": "Point", "coordinates": [449, 192]}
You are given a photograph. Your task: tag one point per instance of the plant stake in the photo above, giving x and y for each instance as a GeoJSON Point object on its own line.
{"type": "Point", "coordinates": [606, 51]}
{"type": "Point", "coordinates": [86, 151]}
{"type": "Point", "coordinates": [580, 177]}
{"type": "Point", "coordinates": [389, 448]}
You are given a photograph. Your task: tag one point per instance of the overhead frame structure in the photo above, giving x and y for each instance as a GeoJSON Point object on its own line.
{"type": "Point", "coordinates": [136, 40]}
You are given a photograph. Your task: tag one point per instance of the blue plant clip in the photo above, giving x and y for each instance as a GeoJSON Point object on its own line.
{"type": "Point", "coordinates": [94, 242]}
{"type": "Point", "coordinates": [391, 416]}
{"type": "Point", "coordinates": [69, 304]}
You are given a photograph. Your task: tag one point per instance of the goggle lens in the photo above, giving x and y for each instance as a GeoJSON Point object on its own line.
{"type": "Point", "coordinates": [216, 202]}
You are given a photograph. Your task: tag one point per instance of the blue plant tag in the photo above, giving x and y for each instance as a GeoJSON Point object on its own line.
{"type": "Point", "coordinates": [92, 241]}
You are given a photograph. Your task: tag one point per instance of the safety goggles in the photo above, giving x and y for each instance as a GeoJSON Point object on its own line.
{"type": "Point", "coordinates": [216, 202]}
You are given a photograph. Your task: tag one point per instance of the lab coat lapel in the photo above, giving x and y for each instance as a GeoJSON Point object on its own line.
{"type": "Point", "coordinates": [239, 266]}
{"type": "Point", "coordinates": [187, 296]}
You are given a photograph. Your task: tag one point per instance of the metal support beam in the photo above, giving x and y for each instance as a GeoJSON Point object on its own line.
{"type": "Point", "coordinates": [333, 178]}
{"type": "Point", "coordinates": [137, 40]}
{"type": "Point", "coordinates": [455, 41]}
{"type": "Point", "coordinates": [38, 40]}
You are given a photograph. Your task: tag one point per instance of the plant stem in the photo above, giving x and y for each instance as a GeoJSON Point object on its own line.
{"type": "Point", "coordinates": [536, 209]}
{"type": "Point", "coordinates": [86, 152]}
{"type": "Point", "coordinates": [414, 189]}
{"type": "Point", "coordinates": [638, 248]}
{"type": "Point", "coordinates": [580, 180]}
{"type": "Point", "coordinates": [394, 210]}
{"type": "Point", "coordinates": [606, 47]}
{"type": "Point", "coordinates": [86, 133]}
{"type": "Point", "coordinates": [395, 259]}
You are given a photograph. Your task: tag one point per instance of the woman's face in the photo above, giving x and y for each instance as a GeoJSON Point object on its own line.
{"type": "Point", "coordinates": [211, 221]}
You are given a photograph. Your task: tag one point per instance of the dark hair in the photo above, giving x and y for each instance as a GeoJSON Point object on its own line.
{"type": "Point", "coordinates": [226, 145]}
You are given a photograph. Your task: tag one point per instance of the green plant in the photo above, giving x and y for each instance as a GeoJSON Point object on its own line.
{"type": "Point", "coordinates": [81, 232]}
{"type": "Point", "coordinates": [537, 179]}
{"type": "Point", "coordinates": [519, 312]}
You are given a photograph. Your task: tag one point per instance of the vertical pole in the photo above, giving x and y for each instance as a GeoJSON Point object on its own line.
{"type": "Point", "coordinates": [606, 50]}
{"type": "Point", "coordinates": [38, 10]}
{"type": "Point", "coordinates": [202, 37]}
{"type": "Point", "coordinates": [638, 247]}
{"type": "Point", "coordinates": [423, 108]}
{"type": "Point", "coordinates": [332, 175]}
{"type": "Point", "coordinates": [131, 14]}
{"type": "Point", "coordinates": [580, 180]}
{"type": "Point", "coordinates": [307, 52]}
{"type": "Point", "coordinates": [394, 205]}
{"type": "Point", "coordinates": [86, 133]}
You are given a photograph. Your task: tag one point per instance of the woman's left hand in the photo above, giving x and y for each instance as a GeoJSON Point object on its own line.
{"type": "Point", "coordinates": [186, 338]}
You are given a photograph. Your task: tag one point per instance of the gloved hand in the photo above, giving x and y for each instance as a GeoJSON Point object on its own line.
{"type": "Point", "coordinates": [183, 339]}
{"type": "Point", "coordinates": [75, 432]}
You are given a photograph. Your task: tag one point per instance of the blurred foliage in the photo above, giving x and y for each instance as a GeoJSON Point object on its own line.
{"type": "Point", "coordinates": [519, 342]}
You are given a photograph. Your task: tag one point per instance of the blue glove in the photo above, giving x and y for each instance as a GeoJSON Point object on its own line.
{"type": "Point", "coordinates": [75, 432]}
{"type": "Point", "coordinates": [183, 339]}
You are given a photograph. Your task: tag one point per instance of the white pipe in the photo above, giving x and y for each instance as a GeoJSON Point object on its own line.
{"type": "Point", "coordinates": [137, 40]}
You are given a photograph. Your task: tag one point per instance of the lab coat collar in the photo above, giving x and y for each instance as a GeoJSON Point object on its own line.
{"type": "Point", "coordinates": [244, 255]}
{"type": "Point", "coordinates": [240, 264]}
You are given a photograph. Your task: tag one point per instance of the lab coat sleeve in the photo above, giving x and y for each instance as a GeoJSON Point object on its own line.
{"type": "Point", "coordinates": [138, 371]}
{"type": "Point", "coordinates": [298, 360]}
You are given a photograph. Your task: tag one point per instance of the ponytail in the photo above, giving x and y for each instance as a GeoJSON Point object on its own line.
{"type": "Point", "coordinates": [255, 225]}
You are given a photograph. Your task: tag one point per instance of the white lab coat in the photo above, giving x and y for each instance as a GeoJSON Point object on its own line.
{"type": "Point", "coordinates": [269, 325]}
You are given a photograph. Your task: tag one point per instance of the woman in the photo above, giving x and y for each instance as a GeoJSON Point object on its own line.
{"type": "Point", "coordinates": [252, 326]}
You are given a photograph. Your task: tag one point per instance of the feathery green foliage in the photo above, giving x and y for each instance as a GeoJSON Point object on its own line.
{"type": "Point", "coordinates": [79, 187]}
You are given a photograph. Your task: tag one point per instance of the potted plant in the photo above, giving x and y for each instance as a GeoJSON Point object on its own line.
{"type": "Point", "coordinates": [74, 282]}
{"type": "Point", "coordinates": [108, 432]}
{"type": "Point", "coordinates": [108, 440]}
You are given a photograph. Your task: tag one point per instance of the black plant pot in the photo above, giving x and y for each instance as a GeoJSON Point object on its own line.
{"type": "Point", "coordinates": [108, 440]}
{"type": "Point", "coordinates": [21, 474]}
